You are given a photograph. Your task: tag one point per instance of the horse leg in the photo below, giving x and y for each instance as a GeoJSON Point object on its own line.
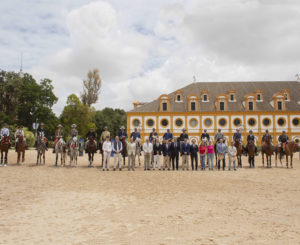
{"type": "Point", "coordinates": [56, 159]}
{"type": "Point", "coordinates": [23, 156]}
{"type": "Point", "coordinates": [37, 157]}
{"type": "Point", "coordinates": [292, 161]}
{"type": "Point", "coordinates": [1, 158]}
{"type": "Point", "coordinates": [5, 160]}
{"type": "Point", "coordinates": [287, 161]}
{"type": "Point", "coordinates": [263, 159]}
{"type": "Point", "coordinates": [44, 157]}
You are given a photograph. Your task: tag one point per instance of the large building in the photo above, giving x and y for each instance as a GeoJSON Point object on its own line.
{"type": "Point", "coordinates": [226, 105]}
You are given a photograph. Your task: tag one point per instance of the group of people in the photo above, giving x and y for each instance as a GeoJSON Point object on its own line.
{"type": "Point", "coordinates": [169, 148]}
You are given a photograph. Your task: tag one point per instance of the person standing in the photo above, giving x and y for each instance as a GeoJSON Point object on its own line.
{"type": "Point", "coordinates": [232, 156]}
{"type": "Point", "coordinates": [168, 135]}
{"type": "Point", "coordinates": [210, 155]}
{"type": "Point", "coordinates": [221, 150]}
{"type": "Point", "coordinates": [202, 150]}
{"type": "Point", "coordinates": [174, 152]}
{"type": "Point", "coordinates": [185, 151]}
{"type": "Point", "coordinates": [107, 148]}
{"type": "Point", "coordinates": [131, 150]}
{"type": "Point", "coordinates": [117, 148]}
{"type": "Point", "coordinates": [157, 150]}
{"type": "Point", "coordinates": [148, 148]}
{"type": "Point", "coordinates": [166, 154]}
{"type": "Point", "coordinates": [194, 154]}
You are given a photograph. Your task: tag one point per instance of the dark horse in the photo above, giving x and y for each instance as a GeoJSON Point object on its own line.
{"type": "Point", "coordinates": [20, 147]}
{"type": "Point", "coordinates": [91, 149]}
{"type": "Point", "coordinates": [267, 148]}
{"type": "Point", "coordinates": [239, 151]}
{"type": "Point", "coordinates": [251, 153]}
{"type": "Point", "coordinates": [101, 151]}
{"type": "Point", "coordinates": [124, 150]}
{"type": "Point", "coordinates": [4, 147]}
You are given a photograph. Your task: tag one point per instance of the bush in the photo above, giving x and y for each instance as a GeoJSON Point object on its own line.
{"type": "Point", "coordinates": [30, 139]}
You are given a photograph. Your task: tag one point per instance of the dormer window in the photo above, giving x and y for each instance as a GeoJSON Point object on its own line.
{"type": "Point", "coordinates": [279, 105]}
{"type": "Point", "coordinates": [222, 102]}
{"type": "Point", "coordinates": [278, 101]}
{"type": "Point", "coordinates": [205, 97]}
{"type": "Point", "coordinates": [232, 97]}
{"type": "Point", "coordinates": [250, 101]}
{"type": "Point", "coordinates": [222, 106]}
{"type": "Point", "coordinates": [258, 97]}
{"type": "Point", "coordinates": [165, 106]}
{"type": "Point", "coordinates": [178, 97]}
{"type": "Point", "coordinates": [193, 102]}
{"type": "Point", "coordinates": [193, 106]}
{"type": "Point", "coordinates": [250, 105]}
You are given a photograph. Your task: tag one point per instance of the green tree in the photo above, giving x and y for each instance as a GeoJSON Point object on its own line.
{"type": "Point", "coordinates": [112, 118]}
{"type": "Point", "coordinates": [78, 113]}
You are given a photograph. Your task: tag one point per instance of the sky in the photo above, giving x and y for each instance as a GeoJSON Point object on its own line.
{"type": "Point", "coordinates": [144, 48]}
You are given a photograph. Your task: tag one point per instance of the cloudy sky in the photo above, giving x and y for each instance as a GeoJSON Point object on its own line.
{"type": "Point", "coordinates": [144, 48]}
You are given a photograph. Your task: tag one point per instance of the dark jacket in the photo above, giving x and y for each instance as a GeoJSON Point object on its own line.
{"type": "Point", "coordinates": [151, 136]}
{"type": "Point", "coordinates": [205, 135]}
{"type": "Point", "coordinates": [135, 135]}
{"type": "Point", "coordinates": [194, 150]}
{"type": "Point", "coordinates": [185, 148]}
{"type": "Point", "coordinates": [250, 137]}
{"type": "Point", "coordinates": [90, 135]}
{"type": "Point", "coordinates": [174, 151]}
{"type": "Point", "coordinates": [122, 135]}
{"type": "Point", "coordinates": [157, 149]}
{"type": "Point", "coordinates": [166, 149]}
{"type": "Point", "coordinates": [283, 138]}
{"type": "Point", "coordinates": [183, 136]}
{"type": "Point", "coordinates": [237, 136]}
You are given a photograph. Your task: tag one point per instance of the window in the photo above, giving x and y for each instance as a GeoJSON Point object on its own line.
{"type": "Point", "coordinates": [178, 97]}
{"type": "Point", "coordinates": [164, 122]}
{"type": "Point", "coordinates": [207, 122]}
{"type": "Point", "coordinates": [250, 103]}
{"type": "Point", "coordinates": [178, 122]}
{"type": "Point", "coordinates": [193, 106]}
{"type": "Point", "coordinates": [222, 106]}
{"type": "Point", "coordinates": [266, 122]}
{"type": "Point", "coordinates": [237, 122]}
{"type": "Point", "coordinates": [164, 106]}
{"type": "Point", "coordinates": [150, 123]}
{"type": "Point", "coordinates": [258, 97]}
{"type": "Point", "coordinates": [193, 122]}
{"type": "Point", "coordinates": [136, 122]}
{"type": "Point", "coordinates": [279, 105]}
{"type": "Point", "coordinates": [222, 122]}
{"type": "Point", "coordinates": [232, 97]}
{"type": "Point", "coordinates": [251, 122]}
{"type": "Point", "coordinates": [205, 97]}
{"type": "Point", "coordinates": [281, 122]}
{"type": "Point", "coordinates": [296, 121]}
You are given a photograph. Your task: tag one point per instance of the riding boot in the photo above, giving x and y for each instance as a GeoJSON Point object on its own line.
{"type": "Point", "coordinates": [53, 151]}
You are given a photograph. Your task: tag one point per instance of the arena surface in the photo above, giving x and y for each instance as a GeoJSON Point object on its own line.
{"type": "Point", "coordinates": [47, 205]}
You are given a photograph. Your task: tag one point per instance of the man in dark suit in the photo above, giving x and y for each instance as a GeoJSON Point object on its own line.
{"type": "Point", "coordinates": [166, 154]}
{"type": "Point", "coordinates": [174, 152]}
{"type": "Point", "coordinates": [185, 152]}
{"type": "Point", "coordinates": [194, 154]}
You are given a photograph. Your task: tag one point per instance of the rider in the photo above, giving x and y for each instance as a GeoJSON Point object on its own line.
{"type": "Point", "coordinates": [19, 132]}
{"type": "Point", "coordinates": [183, 136]}
{"type": "Point", "coordinates": [266, 136]}
{"type": "Point", "coordinates": [219, 136]}
{"type": "Point", "coordinates": [135, 134]}
{"type": "Point", "coordinates": [237, 136]}
{"type": "Point", "coordinates": [152, 135]}
{"type": "Point", "coordinates": [122, 134]}
{"type": "Point", "coordinates": [283, 139]}
{"type": "Point", "coordinates": [205, 136]}
{"type": "Point", "coordinates": [168, 135]}
{"type": "Point", "coordinates": [59, 133]}
{"type": "Point", "coordinates": [42, 130]}
{"type": "Point", "coordinates": [91, 135]}
{"type": "Point", "coordinates": [4, 131]}
{"type": "Point", "coordinates": [104, 134]}
{"type": "Point", "coordinates": [251, 137]}
{"type": "Point", "coordinates": [73, 133]}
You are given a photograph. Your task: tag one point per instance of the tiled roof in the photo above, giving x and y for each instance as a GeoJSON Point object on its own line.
{"type": "Point", "coordinates": [241, 88]}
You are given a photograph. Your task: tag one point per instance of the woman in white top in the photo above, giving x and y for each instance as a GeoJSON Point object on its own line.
{"type": "Point", "coordinates": [107, 148]}
{"type": "Point", "coordinates": [232, 156]}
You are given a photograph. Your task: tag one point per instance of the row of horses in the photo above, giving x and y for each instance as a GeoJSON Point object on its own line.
{"type": "Point", "coordinates": [74, 146]}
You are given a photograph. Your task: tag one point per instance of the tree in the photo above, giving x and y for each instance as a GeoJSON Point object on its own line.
{"type": "Point", "coordinates": [91, 88]}
{"type": "Point", "coordinates": [112, 118]}
{"type": "Point", "coordinates": [78, 113]}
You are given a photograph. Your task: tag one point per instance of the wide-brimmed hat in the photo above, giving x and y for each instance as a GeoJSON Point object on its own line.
{"type": "Point", "coordinates": [105, 127]}
{"type": "Point", "coordinates": [122, 127]}
{"type": "Point", "coordinates": [20, 126]}
{"type": "Point", "coordinates": [59, 126]}
{"type": "Point", "coordinates": [42, 124]}
{"type": "Point", "coordinates": [73, 125]}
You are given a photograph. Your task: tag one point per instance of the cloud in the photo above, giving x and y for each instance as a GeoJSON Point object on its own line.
{"type": "Point", "coordinates": [146, 48]}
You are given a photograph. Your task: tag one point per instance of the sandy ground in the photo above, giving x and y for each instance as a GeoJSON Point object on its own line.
{"type": "Point", "coordinates": [47, 205]}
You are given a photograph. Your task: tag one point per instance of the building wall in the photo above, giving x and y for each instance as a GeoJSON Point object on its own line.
{"type": "Point", "coordinates": [228, 129]}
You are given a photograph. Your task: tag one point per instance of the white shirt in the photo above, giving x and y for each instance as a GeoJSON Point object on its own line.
{"type": "Point", "coordinates": [232, 151]}
{"type": "Point", "coordinates": [19, 132]}
{"type": "Point", "coordinates": [4, 131]}
{"type": "Point", "coordinates": [107, 147]}
{"type": "Point", "coordinates": [147, 147]}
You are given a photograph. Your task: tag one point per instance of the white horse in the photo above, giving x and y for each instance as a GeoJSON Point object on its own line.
{"type": "Point", "coordinates": [60, 149]}
{"type": "Point", "coordinates": [74, 150]}
{"type": "Point", "coordinates": [41, 148]}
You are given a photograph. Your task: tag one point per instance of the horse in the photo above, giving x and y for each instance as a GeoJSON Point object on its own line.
{"type": "Point", "coordinates": [91, 149]}
{"type": "Point", "coordinates": [251, 153]}
{"type": "Point", "coordinates": [138, 149]}
{"type": "Point", "coordinates": [20, 148]}
{"type": "Point", "coordinates": [289, 149]}
{"type": "Point", "coordinates": [74, 150]}
{"type": "Point", "coordinates": [101, 151]}
{"type": "Point", "coordinates": [267, 148]}
{"type": "Point", "coordinates": [4, 147]}
{"type": "Point", "coordinates": [41, 148]}
{"type": "Point", "coordinates": [239, 151]}
{"type": "Point", "coordinates": [60, 149]}
{"type": "Point", "coordinates": [124, 150]}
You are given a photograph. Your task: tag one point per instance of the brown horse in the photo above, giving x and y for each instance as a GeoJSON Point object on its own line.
{"type": "Point", "coordinates": [289, 149]}
{"type": "Point", "coordinates": [267, 148]}
{"type": "Point", "coordinates": [20, 148]}
{"type": "Point", "coordinates": [278, 154]}
{"type": "Point", "coordinates": [91, 149]}
{"type": "Point", "coordinates": [124, 150]}
{"type": "Point", "coordinates": [251, 153]}
{"type": "Point", "coordinates": [239, 152]}
{"type": "Point", "coordinates": [4, 147]}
